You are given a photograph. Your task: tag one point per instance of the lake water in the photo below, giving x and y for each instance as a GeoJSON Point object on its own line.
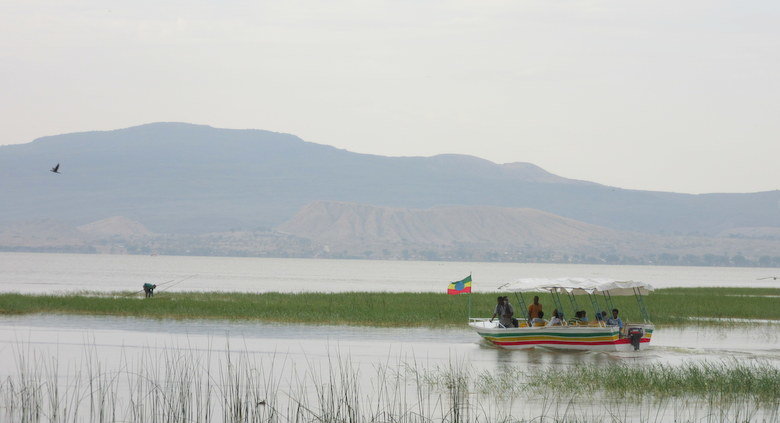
{"type": "Point", "coordinates": [291, 353]}
{"type": "Point", "coordinates": [113, 341]}
{"type": "Point", "coordinates": [46, 273]}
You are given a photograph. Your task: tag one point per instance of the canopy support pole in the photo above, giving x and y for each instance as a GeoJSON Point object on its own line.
{"type": "Point", "coordinates": [558, 304]}
{"type": "Point", "coordinates": [521, 303]}
{"type": "Point", "coordinates": [595, 303]}
{"type": "Point", "coordinates": [608, 299]}
{"type": "Point", "coordinates": [642, 307]}
{"type": "Point", "coordinates": [574, 304]}
{"type": "Point", "coordinates": [599, 308]}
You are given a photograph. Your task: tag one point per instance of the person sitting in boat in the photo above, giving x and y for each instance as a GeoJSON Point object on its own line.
{"type": "Point", "coordinates": [584, 316]}
{"type": "Point", "coordinates": [504, 311]}
{"type": "Point", "coordinates": [535, 310]}
{"type": "Point", "coordinates": [615, 320]}
{"type": "Point", "coordinates": [149, 289]}
{"type": "Point", "coordinates": [577, 319]}
{"type": "Point", "coordinates": [556, 319]}
{"type": "Point", "coordinates": [538, 321]}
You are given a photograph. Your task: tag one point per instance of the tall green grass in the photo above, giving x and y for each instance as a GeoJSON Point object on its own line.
{"type": "Point", "coordinates": [188, 386]}
{"type": "Point", "coordinates": [677, 305]}
{"type": "Point", "coordinates": [666, 306]}
{"type": "Point", "coordinates": [376, 309]}
{"type": "Point", "coordinates": [719, 380]}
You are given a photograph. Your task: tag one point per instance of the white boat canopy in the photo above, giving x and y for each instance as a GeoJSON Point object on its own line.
{"type": "Point", "coordinates": [579, 286]}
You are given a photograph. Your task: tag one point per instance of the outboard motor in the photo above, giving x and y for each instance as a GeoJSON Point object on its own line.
{"type": "Point", "coordinates": [635, 335]}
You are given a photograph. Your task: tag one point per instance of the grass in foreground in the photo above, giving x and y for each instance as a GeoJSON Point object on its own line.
{"type": "Point", "coordinates": [721, 380]}
{"type": "Point", "coordinates": [666, 306]}
{"type": "Point", "coordinates": [173, 385]}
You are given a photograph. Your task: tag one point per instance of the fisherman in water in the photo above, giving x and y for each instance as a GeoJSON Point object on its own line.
{"type": "Point", "coordinates": [149, 289]}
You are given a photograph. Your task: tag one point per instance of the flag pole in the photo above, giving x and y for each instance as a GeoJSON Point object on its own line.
{"type": "Point", "coordinates": [472, 287]}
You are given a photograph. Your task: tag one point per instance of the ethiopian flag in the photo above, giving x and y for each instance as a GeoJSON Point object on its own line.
{"type": "Point", "coordinates": [460, 287]}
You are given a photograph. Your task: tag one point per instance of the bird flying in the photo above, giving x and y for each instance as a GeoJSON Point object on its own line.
{"type": "Point", "coordinates": [769, 277]}
{"type": "Point", "coordinates": [55, 169]}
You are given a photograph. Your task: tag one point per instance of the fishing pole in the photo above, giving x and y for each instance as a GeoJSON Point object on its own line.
{"type": "Point", "coordinates": [159, 284]}
{"type": "Point", "coordinates": [133, 293]}
{"type": "Point", "coordinates": [169, 287]}
{"type": "Point", "coordinates": [173, 280]}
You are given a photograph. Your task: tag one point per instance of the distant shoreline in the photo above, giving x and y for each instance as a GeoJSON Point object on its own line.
{"type": "Point", "coordinates": [706, 261]}
{"type": "Point", "coordinates": [671, 306]}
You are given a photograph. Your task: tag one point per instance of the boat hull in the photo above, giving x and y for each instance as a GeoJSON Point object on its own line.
{"type": "Point", "coordinates": [590, 338]}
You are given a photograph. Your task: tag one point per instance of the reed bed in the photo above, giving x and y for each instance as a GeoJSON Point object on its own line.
{"type": "Point", "coordinates": [667, 306]}
{"type": "Point", "coordinates": [724, 381]}
{"type": "Point", "coordinates": [178, 386]}
{"type": "Point", "coordinates": [201, 387]}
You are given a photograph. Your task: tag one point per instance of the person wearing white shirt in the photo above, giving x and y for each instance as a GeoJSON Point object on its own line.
{"type": "Point", "coordinates": [615, 320]}
{"type": "Point", "coordinates": [556, 319]}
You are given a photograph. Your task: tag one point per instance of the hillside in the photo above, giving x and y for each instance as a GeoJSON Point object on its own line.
{"type": "Point", "coordinates": [343, 223]}
{"type": "Point", "coordinates": [497, 233]}
{"type": "Point", "coordinates": [177, 178]}
{"type": "Point", "coordinates": [107, 235]}
{"type": "Point", "coordinates": [349, 230]}
{"type": "Point", "coordinates": [117, 226]}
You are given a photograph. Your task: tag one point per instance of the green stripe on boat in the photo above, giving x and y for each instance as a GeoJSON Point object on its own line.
{"type": "Point", "coordinates": [533, 334]}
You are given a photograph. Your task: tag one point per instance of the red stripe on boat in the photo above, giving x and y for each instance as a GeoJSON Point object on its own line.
{"type": "Point", "coordinates": [619, 341]}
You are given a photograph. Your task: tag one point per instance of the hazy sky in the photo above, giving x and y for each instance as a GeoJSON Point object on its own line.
{"type": "Point", "coordinates": [665, 95]}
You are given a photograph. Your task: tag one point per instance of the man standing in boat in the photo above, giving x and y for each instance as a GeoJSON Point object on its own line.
{"type": "Point", "coordinates": [504, 311]}
{"type": "Point", "coordinates": [535, 309]}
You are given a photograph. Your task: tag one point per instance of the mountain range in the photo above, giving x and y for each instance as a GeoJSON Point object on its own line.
{"type": "Point", "coordinates": [188, 181]}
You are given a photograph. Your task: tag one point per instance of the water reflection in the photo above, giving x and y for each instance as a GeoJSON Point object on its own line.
{"type": "Point", "coordinates": [669, 345]}
{"type": "Point", "coordinates": [543, 357]}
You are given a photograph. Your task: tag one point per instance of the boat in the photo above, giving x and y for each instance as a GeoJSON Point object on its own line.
{"type": "Point", "coordinates": [594, 335]}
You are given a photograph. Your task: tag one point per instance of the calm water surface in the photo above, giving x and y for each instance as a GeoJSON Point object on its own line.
{"type": "Point", "coordinates": [69, 339]}
{"type": "Point", "coordinates": [46, 273]}
{"type": "Point", "coordinates": [112, 335]}
{"type": "Point", "coordinates": [291, 350]}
